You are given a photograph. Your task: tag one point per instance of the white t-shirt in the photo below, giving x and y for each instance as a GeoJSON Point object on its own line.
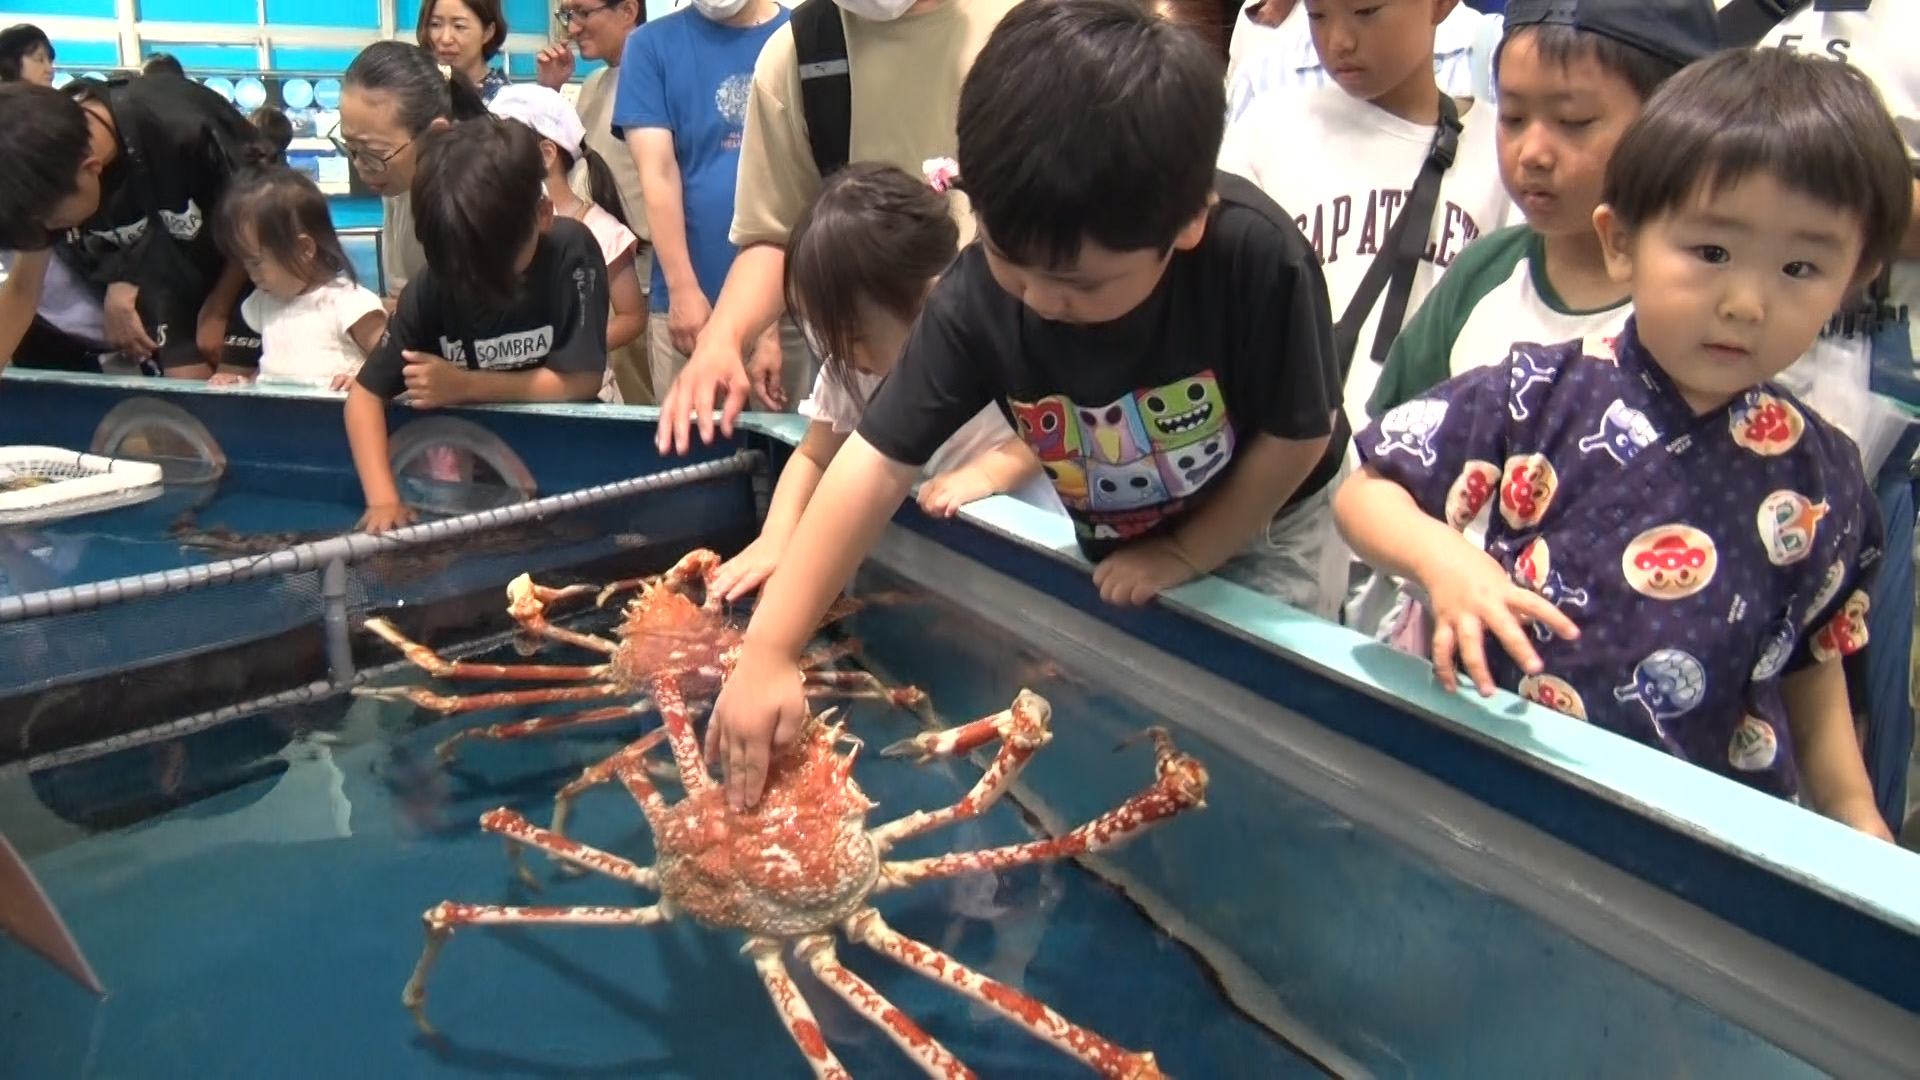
{"type": "Point", "coordinates": [1364, 161]}
{"type": "Point", "coordinates": [306, 341]}
{"type": "Point", "coordinates": [1883, 42]}
{"type": "Point", "coordinates": [1262, 59]}
{"type": "Point", "coordinates": [830, 404]}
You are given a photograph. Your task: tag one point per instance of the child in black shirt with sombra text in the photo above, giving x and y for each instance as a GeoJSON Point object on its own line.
{"type": "Point", "coordinates": [512, 305]}
{"type": "Point", "coordinates": [1158, 333]}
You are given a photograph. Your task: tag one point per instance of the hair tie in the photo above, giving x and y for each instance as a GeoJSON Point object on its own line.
{"type": "Point", "coordinates": [943, 174]}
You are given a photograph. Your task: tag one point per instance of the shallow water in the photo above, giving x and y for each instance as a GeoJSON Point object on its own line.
{"type": "Point", "coordinates": [251, 897]}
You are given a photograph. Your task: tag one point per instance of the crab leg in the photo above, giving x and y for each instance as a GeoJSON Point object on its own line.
{"type": "Point", "coordinates": [1180, 784]}
{"type": "Point", "coordinates": [499, 699]}
{"type": "Point", "coordinates": [937, 1060]}
{"type": "Point", "coordinates": [805, 1030]}
{"type": "Point", "coordinates": [443, 919]}
{"type": "Point", "coordinates": [687, 754]}
{"type": "Point", "coordinates": [1097, 1053]}
{"type": "Point", "coordinates": [527, 603]}
{"type": "Point", "coordinates": [439, 667]}
{"type": "Point", "coordinates": [827, 654]}
{"type": "Point", "coordinates": [540, 725]}
{"type": "Point", "coordinates": [1022, 730]}
{"type": "Point", "coordinates": [594, 775]}
{"type": "Point", "coordinates": [860, 685]}
{"type": "Point", "coordinates": [519, 832]}
{"type": "Point", "coordinates": [696, 565]}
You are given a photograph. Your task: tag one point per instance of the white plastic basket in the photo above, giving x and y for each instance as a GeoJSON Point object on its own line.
{"type": "Point", "coordinates": [39, 484]}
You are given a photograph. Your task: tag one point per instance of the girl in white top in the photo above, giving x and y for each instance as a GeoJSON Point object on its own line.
{"type": "Point", "coordinates": [860, 262]}
{"type": "Point", "coordinates": [571, 166]}
{"type": "Point", "coordinates": [316, 323]}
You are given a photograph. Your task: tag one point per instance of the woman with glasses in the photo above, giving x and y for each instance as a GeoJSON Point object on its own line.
{"type": "Point", "coordinates": [392, 94]}
{"type": "Point", "coordinates": [465, 35]}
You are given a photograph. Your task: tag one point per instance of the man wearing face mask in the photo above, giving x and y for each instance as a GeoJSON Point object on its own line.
{"type": "Point", "coordinates": [682, 107]}
{"type": "Point", "coordinates": [906, 59]}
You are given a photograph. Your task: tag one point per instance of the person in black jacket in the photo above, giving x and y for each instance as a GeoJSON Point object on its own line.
{"type": "Point", "coordinates": [92, 168]}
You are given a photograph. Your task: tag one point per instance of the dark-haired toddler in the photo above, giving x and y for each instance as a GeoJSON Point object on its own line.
{"type": "Point", "coordinates": [1676, 549]}
{"type": "Point", "coordinates": [512, 305]}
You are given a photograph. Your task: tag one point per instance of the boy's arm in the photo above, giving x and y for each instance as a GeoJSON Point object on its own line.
{"type": "Point", "coordinates": [1826, 749]}
{"type": "Point", "coordinates": [653, 155]}
{"type": "Point", "coordinates": [1266, 472]}
{"type": "Point", "coordinates": [1391, 532]}
{"type": "Point", "coordinates": [539, 384]}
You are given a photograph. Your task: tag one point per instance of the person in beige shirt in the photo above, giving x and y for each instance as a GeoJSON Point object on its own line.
{"type": "Point", "coordinates": [599, 32]}
{"type": "Point", "coordinates": [907, 58]}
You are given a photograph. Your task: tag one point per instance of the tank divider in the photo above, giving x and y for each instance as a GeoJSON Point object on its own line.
{"type": "Point", "coordinates": [1807, 1011]}
{"type": "Point", "coordinates": [354, 547]}
{"type": "Point", "coordinates": [339, 633]}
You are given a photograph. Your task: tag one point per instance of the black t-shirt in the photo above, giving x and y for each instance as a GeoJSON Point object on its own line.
{"type": "Point", "coordinates": [1136, 420]}
{"type": "Point", "coordinates": [559, 320]}
{"type": "Point", "coordinates": [180, 145]}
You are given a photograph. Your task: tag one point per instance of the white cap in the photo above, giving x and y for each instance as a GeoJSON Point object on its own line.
{"type": "Point", "coordinates": [543, 110]}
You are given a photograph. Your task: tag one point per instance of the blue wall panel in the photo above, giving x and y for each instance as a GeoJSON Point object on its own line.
{"type": "Point", "coordinates": [199, 58]}
{"type": "Point", "coordinates": [243, 12]}
{"type": "Point", "coordinates": [12, 10]}
{"type": "Point", "coordinates": [84, 54]}
{"type": "Point", "coordinates": [356, 14]}
{"type": "Point", "coordinates": [313, 61]}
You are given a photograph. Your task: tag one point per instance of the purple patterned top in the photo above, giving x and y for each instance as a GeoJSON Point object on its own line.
{"type": "Point", "coordinates": [1703, 557]}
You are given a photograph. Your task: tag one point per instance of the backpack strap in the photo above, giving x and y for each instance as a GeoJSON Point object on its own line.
{"type": "Point", "coordinates": [1401, 250]}
{"type": "Point", "coordinates": [826, 85]}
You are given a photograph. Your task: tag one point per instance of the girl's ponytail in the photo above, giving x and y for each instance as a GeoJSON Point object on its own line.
{"type": "Point", "coordinates": [600, 185]}
{"type": "Point", "coordinates": [464, 102]}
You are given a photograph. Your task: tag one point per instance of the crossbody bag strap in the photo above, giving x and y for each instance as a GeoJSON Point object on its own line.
{"type": "Point", "coordinates": [1405, 245]}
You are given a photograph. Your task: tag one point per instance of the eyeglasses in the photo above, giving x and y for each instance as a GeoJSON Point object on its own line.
{"type": "Point", "coordinates": [571, 16]}
{"type": "Point", "coordinates": [368, 163]}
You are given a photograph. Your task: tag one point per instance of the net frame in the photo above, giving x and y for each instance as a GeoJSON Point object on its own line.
{"type": "Point", "coordinates": [77, 484]}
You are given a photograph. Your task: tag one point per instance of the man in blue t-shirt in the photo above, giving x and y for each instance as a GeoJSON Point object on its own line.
{"type": "Point", "coordinates": [682, 106]}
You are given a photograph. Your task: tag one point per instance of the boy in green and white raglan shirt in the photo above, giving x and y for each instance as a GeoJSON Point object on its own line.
{"type": "Point", "coordinates": [1343, 157]}
{"type": "Point", "coordinates": [1571, 78]}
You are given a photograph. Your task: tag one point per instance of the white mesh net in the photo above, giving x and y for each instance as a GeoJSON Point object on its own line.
{"type": "Point", "coordinates": [39, 484]}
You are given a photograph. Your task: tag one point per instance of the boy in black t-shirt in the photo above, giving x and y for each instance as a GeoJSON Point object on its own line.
{"type": "Point", "coordinates": [512, 305]}
{"type": "Point", "coordinates": [1158, 334]}
{"type": "Point", "coordinates": [89, 169]}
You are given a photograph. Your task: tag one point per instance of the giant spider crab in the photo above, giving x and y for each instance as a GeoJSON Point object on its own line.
{"type": "Point", "coordinates": [665, 650]}
{"type": "Point", "coordinates": [803, 863]}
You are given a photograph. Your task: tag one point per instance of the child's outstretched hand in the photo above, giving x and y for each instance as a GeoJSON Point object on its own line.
{"type": "Point", "coordinates": [1473, 597]}
{"type": "Point", "coordinates": [1141, 571]}
{"type": "Point", "coordinates": [944, 495]}
{"type": "Point", "coordinates": [746, 571]}
{"type": "Point", "coordinates": [379, 519]}
{"type": "Point", "coordinates": [761, 708]}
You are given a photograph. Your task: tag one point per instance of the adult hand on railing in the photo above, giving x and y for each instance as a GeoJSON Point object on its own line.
{"type": "Point", "coordinates": [687, 315]}
{"type": "Point", "coordinates": [717, 369]}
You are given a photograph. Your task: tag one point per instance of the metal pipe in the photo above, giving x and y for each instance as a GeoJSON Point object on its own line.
{"type": "Point", "coordinates": [333, 597]}
{"type": "Point", "coordinates": [355, 547]}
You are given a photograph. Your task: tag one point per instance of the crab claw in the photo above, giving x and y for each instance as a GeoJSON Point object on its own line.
{"type": "Point", "coordinates": [909, 748]}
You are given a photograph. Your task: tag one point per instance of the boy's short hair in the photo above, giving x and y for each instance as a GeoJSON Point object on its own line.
{"type": "Point", "coordinates": [163, 64]}
{"type": "Point", "coordinates": [1089, 120]}
{"type": "Point", "coordinates": [16, 43]}
{"type": "Point", "coordinates": [1815, 125]}
{"type": "Point", "coordinates": [44, 140]}
{"type": "Point", "coordinates": [476, 200]}
{"type": "Point", "coordinates": [1643, 41]}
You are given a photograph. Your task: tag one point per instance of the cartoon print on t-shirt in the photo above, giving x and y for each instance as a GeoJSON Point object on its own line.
{"type": "Point", "coordinates": [1555, 693]}
{"type": "Point", "coordinates": [1410, 429]}
{"type": "Point", "coordinates": [1670, 562]}
{"type": "Point", "coordinates": [1754, 746]}
{"type": "Point", "coordinates": [1534, 569]}
{"type": "Point", "coordinates": [1186, 469]}
{"type": "Point", "coordinates": [1124, 487]}
{"type": "Point", "coordinates": [1624, 432]}
{"type": "Point", "coordinates": [1778, 648]}
{"type": "Point", "coordinates": [1788, 522]}
{"type": "Point", "coordinates": [1182, 413]}
{"type": "Point", "coordinates": [1765, 424]}
{"type": "Point", "coordinates": [1846, 634]}
{"type": "Point", "coordinates": [1470, 498]}
{"type": "Point", "coordinates": [1112, 433]}
{"type": "Point", "coordinates": [1527, 489]}
{"type": "Point", "coordinates": [1069, 482]}
{"type": "Point", "coordinates": [1525, 370]}
{"type": "Point", "coordinates": [1047, 426]}
{"type": "Point", "coordinates": [1669, 684]}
